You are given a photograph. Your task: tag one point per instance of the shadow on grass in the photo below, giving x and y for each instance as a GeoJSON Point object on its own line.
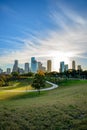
{"type": "Point", "coordinates": [26, 95]}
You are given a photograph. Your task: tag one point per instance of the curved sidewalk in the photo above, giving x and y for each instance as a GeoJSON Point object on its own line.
{"type": "Point", "coordinates": [45, 89]}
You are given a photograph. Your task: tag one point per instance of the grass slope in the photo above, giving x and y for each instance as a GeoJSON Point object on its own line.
{"type": "Point", "coordinates": [64, 108]}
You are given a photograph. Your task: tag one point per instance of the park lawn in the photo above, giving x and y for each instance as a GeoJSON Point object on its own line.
{"type": "Point", "coordinates": [64, 108]}
{"type": "Point", "coordinates": [5, 94]}
{"type": "Point", "coordinates": [18, 89]}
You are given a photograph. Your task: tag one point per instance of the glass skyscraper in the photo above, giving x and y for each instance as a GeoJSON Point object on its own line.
{"type": "Point", "coordinates": [15, 66]}
{"type": "Point", "coordinates": [73, 65]}
{"type": "Point", "coordinates": [26, 67]}
{"type": "Point", "coordinates": [62, 66]}
{"type": "Point", "coordinates": [34, 65]}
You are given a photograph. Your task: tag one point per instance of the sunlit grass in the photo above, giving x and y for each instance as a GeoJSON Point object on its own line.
{"type": "Point", "coordinates": [10, 92]}
{"type": "Point", "coordinates": [64, 108]}
{"type": "Point", "coordinates": [5, 95]}
{"type": "Point", "coordinates": [19, 88]}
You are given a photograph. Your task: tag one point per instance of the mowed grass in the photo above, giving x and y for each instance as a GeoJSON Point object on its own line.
{"type": "Point", "coordinates": [64, 108]}
{"type": "Point", "coordinates": [17, 88]}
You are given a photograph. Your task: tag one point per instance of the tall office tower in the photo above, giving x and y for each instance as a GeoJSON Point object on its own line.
{"type": "Point", "coordinates": [34, 65]}
{"type": "Point", "coordinates": [41, 67]}
{"type": "Point", "coordinates": [79, 67]}
{"type": "Point", "coordinates": [73, 65]}
{"type": "Point", "coordinates": [62, 66]}
{"type": "Point", "coordinates": [20, 70]}
{"type": "Point", "coordinates": [26, 67]}
{"type": "Point", "coordinates": [8, 71]}
{"type": "Point", "coordinates": [1, 71]}
{"type": "Point", "coordinates": [66, 67]}
{"type": "Point", "coordinates": [15, 66]}
{"type": "Point", "coordinates": [49, 65]}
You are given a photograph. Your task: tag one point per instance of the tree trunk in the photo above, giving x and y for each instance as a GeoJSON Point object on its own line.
{"type": "Point", "coordinates": [39, 91]}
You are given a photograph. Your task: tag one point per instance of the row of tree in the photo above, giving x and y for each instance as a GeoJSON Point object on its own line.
{"type": "Point", "coordinates": [69, 74]}
{"type": "Point", "coordinates": [4, 80]}
{"type": "Point", "coordinates": [39, 77]}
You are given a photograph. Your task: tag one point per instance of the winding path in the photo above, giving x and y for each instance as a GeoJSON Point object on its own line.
{"type": "Point", "coordinates": [45, 89]}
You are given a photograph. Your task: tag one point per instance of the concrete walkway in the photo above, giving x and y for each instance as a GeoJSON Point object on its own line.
{"type": "Point", "coordinates": [45, 89]}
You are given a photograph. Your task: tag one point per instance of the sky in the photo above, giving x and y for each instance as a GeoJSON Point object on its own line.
{"type": "Point", "coordinates": [45, 29]}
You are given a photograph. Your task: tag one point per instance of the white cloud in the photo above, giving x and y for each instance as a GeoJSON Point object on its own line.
{"type": "Point", "coordinates": [70, 41]}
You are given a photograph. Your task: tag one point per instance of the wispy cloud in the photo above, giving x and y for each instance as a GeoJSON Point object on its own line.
{"type": "Point", "coordinates": [69, 41]}
{"type": "Point", "coordinates": [7, 10]}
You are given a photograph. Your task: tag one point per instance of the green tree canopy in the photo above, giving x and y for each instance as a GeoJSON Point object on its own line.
{"type": "Point", "coordinates": [39, 81]}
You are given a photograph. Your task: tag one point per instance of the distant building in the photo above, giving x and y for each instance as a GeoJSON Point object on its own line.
{"type": "Point", "coordinates": [79, 67]}
{"type": "Point", "coordinates": [73, 65]}
{"type": "Point", "coordinates": [49, 65]}
{"type": "Point", "coordinates": [8, 71]}
{"type": "Point", "coordinates": [41, 67]}
{"type": "Point", "coordinates": [15, 66]}
{"type": "Point", "coordinates": [66, 67]}
{"type": "Point", "coordinates": [34, 65]}
{"type": "Point", "coordinates": [62, 66]}
{"type": "Point", "coordinates": [26, 67]}
{"type": "Point", "coordinates": [20, 70]}
{"type": "Point", "coordinates": [1, 71]}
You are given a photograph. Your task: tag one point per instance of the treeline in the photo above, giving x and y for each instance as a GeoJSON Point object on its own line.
{"type": "Point", "coordinates": [69, 74]}
{"type": "Point", "coordinates": [14, 76]}
{"type": "Point", "coordinates": [62, 78]}
{"type": "Point", "coordinates": [4, 80]}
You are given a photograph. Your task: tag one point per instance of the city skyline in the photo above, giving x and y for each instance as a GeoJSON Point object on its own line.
{"type": "Point", "coordinates": [35, 66]}
{"type": "Point", "coordinates": [49, 29]}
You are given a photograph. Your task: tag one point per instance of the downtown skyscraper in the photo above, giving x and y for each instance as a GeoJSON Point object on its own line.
{"type": "Point", "coordinates": [62, 67]}
{"type": "Point", "coordinates": [73, 65]}
{"type": "Point", "coordinates": [34, 65]}
{"type": "Point", "coordinates": [15, 66]}
{"type": "Point", "coordinates": [49, 65]}
{"type": "Point", "coordinates": [26, 70]}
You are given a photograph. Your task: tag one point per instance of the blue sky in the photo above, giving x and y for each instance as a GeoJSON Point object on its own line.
{"type": "Point", "coordinates": [46, 29]}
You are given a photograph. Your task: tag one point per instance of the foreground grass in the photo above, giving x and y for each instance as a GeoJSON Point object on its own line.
{"type": "Point", "coordinates": [64, 108]}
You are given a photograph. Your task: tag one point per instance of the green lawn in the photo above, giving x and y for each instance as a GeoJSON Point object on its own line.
{"type": "Point", "coordinates": [64, 108]}
{"type": "Point", "coordinates": [16, 87]}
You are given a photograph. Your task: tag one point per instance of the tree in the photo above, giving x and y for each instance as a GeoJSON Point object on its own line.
{"type": "Point", "coordinates": [15, 75]}
{"type": "Point", "coordinates": [2, 82]}
{"type": "Point", "coordinates": [39, 81]}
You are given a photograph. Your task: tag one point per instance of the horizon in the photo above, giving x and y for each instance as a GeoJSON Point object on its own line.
{"type": "Point", "coordinates": [22, 66]}
{"type": "Point", "coordinates": [49, 29]}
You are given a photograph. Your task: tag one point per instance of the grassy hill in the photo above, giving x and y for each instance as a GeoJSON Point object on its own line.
{"type": "Point", "coordinates": [16, 87]}
{"type": "Point", "coordinates": [64, 108]}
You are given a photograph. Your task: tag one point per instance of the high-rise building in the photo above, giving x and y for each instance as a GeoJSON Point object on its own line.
{"type": "Point", "coordinates": [26, 67]}
{"type": "Point", "coordinates": [8, 71]}
{"type": "Point", "coordinates": [20, 70]}
{"type": "Point", "coordinates": [73, 65]}
{"type": "Point", "coordinates": [41, 67]}
{"type": "Point", "coordinates": [49, 65]}
{"type": "Point", "coordinates": [1, 71]}
{"type": "Point", "coordinates": [62, 66]}
{"type": "Point", "coordinates": [15, 66]}
{"type": "Point", "coordinates": [34, 65]}
{"type": "Point", "coordinates": [66, 67]}
{"type": "Point", "coordinates": [79, 67]}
